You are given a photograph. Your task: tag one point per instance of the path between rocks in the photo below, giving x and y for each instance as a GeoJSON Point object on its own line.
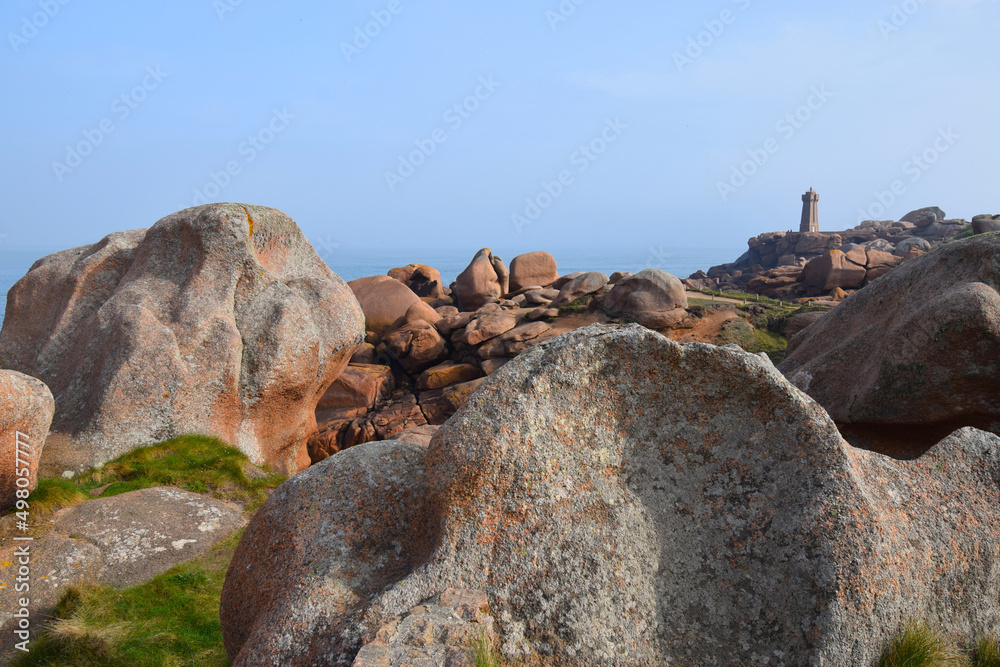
{"type": "Point", "coordinates": [708, 329]}
{"type": "Point", "coordinates": [708, 297]}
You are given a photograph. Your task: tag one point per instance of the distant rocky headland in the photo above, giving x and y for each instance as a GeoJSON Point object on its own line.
{"type": "Point", "coordinates": [783, 460]}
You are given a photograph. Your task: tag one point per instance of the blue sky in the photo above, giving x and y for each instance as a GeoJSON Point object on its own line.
{"type": "Point", "coordinates": [586, 125]}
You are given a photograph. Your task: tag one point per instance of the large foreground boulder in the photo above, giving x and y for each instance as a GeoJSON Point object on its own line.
{"type": "Point", "coordinates": [220, 319]}
{"type": "Point", "coordinates": [919, 346]}
{"type": "Point", "coordinates": [625, 500]}
{"type": "Point", "coordinates": [26, 409]}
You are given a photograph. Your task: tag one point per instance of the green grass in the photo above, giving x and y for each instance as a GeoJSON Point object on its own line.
{"type": "Point", "coordinates": [172, 620]}
{"type": "Point", "coordinates": [748, 296]}
{"type": "Point", "coordinates": [917, 645]}
{"type": "Point", "coordinates": [200, 464]}
{"type": "Point", "coordinates": [775, 346]}
{"type": "Point", "coordinates": [485, 653]}
{"type": "Point", "coordinates": [52, 494]}
{"type": "Point", "coordinates": [985, 654]}
{"type": "Point", "coordinates": [579, 306]}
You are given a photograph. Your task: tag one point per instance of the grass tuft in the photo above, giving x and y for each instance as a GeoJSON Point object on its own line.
{"type": "Point", "coordinates": [196, 463]}
{"type": "Point", "coordinates": [53, 494]}
{"type": "Point", "coordinates": [485, 653]}
{"type": "Point", "coordinates": [985, 654]}
{"type": "Point", "coordinates": [917, 645]}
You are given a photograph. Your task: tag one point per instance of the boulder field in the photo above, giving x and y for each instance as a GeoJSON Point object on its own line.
{"type": "Point", "coordinates": [423, 366]}
{"type": "Point", "coordinates": [219, 319]}
{"type": "Point", "coordinates": [621, 499]}
{"type": "Point", "coordinates": [526, 458]}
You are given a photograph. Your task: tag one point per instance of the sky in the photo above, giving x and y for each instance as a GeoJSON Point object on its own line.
{"type": "Point", "coordinates": [397, 124]}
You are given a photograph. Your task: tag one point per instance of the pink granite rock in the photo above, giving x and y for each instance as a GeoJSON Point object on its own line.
{"type": "Point", "coordinates": [219, 319]}
{"type": "Point", "coordinates": [26, 409]}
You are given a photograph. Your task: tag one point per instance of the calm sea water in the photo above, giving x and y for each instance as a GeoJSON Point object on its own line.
{"type": "Point", "coordinates": [351, 264]}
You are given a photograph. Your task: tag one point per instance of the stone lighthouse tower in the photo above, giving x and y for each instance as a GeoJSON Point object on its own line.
{"type": "Point", "coordinates": [810, 212]}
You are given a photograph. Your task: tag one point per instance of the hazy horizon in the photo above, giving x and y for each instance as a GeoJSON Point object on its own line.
{"type": "Point", "coordinates": [525, 126]}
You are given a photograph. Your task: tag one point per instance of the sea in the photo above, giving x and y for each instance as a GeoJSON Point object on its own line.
{"type": "Point", "coordinates": [351, 263]}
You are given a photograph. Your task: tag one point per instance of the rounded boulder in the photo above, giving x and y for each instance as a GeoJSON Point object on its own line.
{"type": "Point", "coordinates": [219, 319]}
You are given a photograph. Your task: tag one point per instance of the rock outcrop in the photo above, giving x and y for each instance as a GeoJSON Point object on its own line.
{"type": "Point", "coordinates": [383, 300]}
{"type": "Point", "coordinates": [800, 321]}
{"type": "Point", "coordinates": [359, 386]}
{"type": "Point", "coordinates": [143, 533]}
{"type": "Point", "coordinates": [423, 280]}
{"type": "Point", "coordinates": [484, 281]}
{"type": "Point", "coordinates": [652, 297]}
{"type": "Point", "coordinates": [923, 217]}
{"type": "Point", "coordinates": [220, 320]}
{"type": "Point", "coordinates": [773, 265]}
{"type": "Point", "coordinates": [984, 224]}
{"type": "Point", "coordinates": [26, 409]}
{"type": "Point", "coordinates": [846, 270]}
{"type": "Point", "coordinates": [415, 347]}
{"type": "Point", "coordinates": [533, 269]}
{"type": "Point", "coordinates": [625, 500]}
{"type": "Point", "coordinates": [836, 269]}
{"type": "Point", "coordinates": [579, 286]}
{"type": "Point", "coordinates": [919, 346]}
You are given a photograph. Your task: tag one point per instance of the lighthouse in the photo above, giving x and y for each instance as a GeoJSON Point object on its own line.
{"type": "Point", "coordinates": [810, 212]}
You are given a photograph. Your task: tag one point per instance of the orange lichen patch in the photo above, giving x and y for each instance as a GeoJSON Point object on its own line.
{"type": "Point", "coordinates": [249, 220]}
